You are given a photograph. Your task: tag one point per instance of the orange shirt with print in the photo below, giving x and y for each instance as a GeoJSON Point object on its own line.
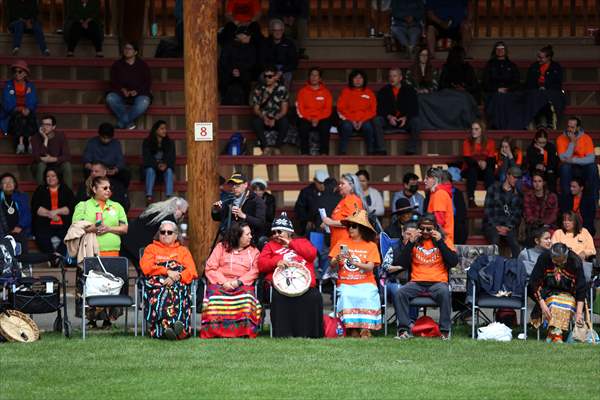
{"type": "Point", "coordinates": [427, 263]}
{"type": "Point", "coordinates": [345, 208]}
{"type": "Point", "coordinates": [584, 145]}
{"type": "Point", "coordinates": [360, 251]}
{"type": "Point", "coordinates": [356, 104]}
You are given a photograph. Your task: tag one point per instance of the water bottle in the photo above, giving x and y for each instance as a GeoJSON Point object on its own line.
{"type": "Point", "coordinates": [55, 240]}
{"type": "Point", "coordinates": [154, 29]}
{"type": "Point", "coordinates": [183, 228]}
{"type": "Point", "coordinates": [339, 329]}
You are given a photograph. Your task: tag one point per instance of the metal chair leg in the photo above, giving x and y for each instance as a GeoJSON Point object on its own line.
{"type": "Point", "coordinates": [83, 322]}
{"type": "Point", "coordinates": [473, 311]}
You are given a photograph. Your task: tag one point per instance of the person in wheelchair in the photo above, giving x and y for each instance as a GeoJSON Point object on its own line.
{"type": "Point", "coordinates": [292, 315]}
{"type": "Point", "coordinates": [558, 287]}
{"type": "Point", "coordinates": [169, 269]}
{"type": "Point", "coordinates": [428, 256]}
{"type": "Point", "coordinates": [230, 306]}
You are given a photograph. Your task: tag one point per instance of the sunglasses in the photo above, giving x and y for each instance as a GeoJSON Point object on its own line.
{"type": "Point", "coordinates": [19, 71]}
{"type": "Point", "coordinates": [269, 76]}
{"type": "Point", "coordinates": [353, 226]}
{"type": "Point", "coordinates": [167, 233]}
{"type": "Point", "coordinates": [106, 188]}
{"type": "Point", "coordinates": [426, 229]}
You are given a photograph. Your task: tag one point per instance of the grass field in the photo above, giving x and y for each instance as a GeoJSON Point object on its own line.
{"type": "Point", "coordinates": [113, 366]}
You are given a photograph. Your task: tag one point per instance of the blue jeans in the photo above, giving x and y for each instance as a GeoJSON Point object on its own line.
{"type": "Point", "coordinates": [346, 129]}
{"type": "Point", "coordinates": [117, 105]}
{"type": "Point", "coordinates": [17, 28]}
{"type": "Point", "coordinates": [151, 174]}
{"type": "Point", "coordinates": [407, 35]}
{"type": "Point", "coordinates": [392, 292]}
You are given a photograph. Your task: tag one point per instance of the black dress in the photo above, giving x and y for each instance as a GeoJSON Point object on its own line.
{"type": "Point", "coordinates": [300, 316]}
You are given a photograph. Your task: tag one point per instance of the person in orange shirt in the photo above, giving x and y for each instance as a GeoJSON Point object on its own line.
{"type": "Point", "coordinates": [576, 152]}
{"type": "Point", "coordinates": [580, 202]}
{"type": "Point", "coordinates": [428, 257]}
{"type": "Point", "coordinates": [479, 154]}
{"type": "Point", "coordinates": [440, 201]}
{"type": "Point", "coordinates": [169, 269]}
{"type": "Point", "coordinates": [352, 199]}
{"type": "Point", "coordinates": [357, 106]}
{"type": "Point", "coordinates": [313, 106]}
{"type": "Point", "coordinates": [358, 303]}
{"type": "Point", "coordinates": [509, 155]}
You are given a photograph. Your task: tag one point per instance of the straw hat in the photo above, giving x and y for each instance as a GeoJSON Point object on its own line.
{"type": "Point", "coordinates": [359, 217]}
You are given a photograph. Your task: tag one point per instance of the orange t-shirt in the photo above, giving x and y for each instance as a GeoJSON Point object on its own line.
{"type": "Point", "coordinates": [314, 103]}
{"type": "Point", "coordinates": [54, 206]}
{"type": "Point", "coordinates": [243, 10]}
{"type": "Point", "coordinates": [427, 264]}
{"type": "Point", "coordinates": [20, 92]}
{"type": "Point", "coordinates": [356, 104]}
{"type": "Point", "coordinates": [343, 210]}
{"type": "Point", "coordinates": [477, 151]}
{"type": "Point", "coordinates": [584, 145]}
{"type": "Point", "coordinates": [441, 201]}
{"type": "Point", "coordinates": [360, 251]}
{"type": "Point", "coordinates": [576, 203]}
{"type": "Point", "coordinates": [542, 77]}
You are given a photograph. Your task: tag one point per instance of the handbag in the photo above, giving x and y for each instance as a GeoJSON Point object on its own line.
{"type": "Point", "coordinates": [102, 283]}
{"type": "Point", "coordinates": [426, 327]}
{"type": "Point", "coordinates": [584, 333]}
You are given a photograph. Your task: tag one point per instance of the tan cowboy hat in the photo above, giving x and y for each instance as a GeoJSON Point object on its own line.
{"type": "Point", "coordinates": [359, 217]}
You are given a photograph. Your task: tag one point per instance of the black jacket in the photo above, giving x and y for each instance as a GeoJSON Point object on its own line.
{"type": "Point", "coordinates": [553, 76]}
{"type": "Point", "coordinates": [237, 55]}
{"type": "Point", "coordinates": [41, 198]}
{"type": "Point", "coordinates": [403, 255]}
{"type": "Point", "coordinates": [495, 273]}
{"type": "Point", "coordinates": [168, 156]}
{"type": "Point", "coordinates": [460, 75]}
{"type": "Point", "coordinates": [544, 283]}
{"type": "Point", "coordinates": [406, 104]}
{"type": "Point", "coordinates": [533, 157]}
{"type": "Point", "coordinates": [253, 207]}
{"type": "Point", "coordinates": [282, 54]}
{"type": "Point", "coordinates": [500, 73]}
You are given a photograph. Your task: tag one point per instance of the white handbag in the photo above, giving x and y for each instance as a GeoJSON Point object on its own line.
{"type": "Point", "coordinates": [102, 283]}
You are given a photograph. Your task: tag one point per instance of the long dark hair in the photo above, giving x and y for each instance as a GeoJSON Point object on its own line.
{"type": "Point", "coordinates": [366, 234]}
{"type": "Point", "coordinates": [415, 69]}
{"type": "Point", "coordinates": [231, 238]}
{"type": "Point", "coordinates": [153, 140]}
{"type": "Point", "coordinates": [483, 136]}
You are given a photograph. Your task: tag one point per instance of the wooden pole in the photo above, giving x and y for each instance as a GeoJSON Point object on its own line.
{"type": "Point", "coordinates": [200, 77]}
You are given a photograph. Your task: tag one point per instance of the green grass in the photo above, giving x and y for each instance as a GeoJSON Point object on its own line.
{"type": "Point", "coordinates": [113, 366]}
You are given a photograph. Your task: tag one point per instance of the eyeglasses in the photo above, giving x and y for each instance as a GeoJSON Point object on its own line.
{"type": "Point", "coordinates": [106, 188]}
{"type": "Point", "coordinates": [426, 229]}
{"type": "Point", "coordinates": [167, 233]}
{"type": "Point", "coordinates": [353, 226]}
{"type": "Point", "coordinates": [269, 76]}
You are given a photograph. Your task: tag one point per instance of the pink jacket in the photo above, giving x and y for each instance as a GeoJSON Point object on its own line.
{"type": "Point", "coordinates": [222, 266]}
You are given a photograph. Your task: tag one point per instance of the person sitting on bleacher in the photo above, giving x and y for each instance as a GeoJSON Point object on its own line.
{"type": "Point", "coordinates": [499, 82]}
{"type": "Point", "coordinates": [541, 155]}
{"type": "Point", "coordinates": [237, 68]}
{"type": "Point", "coordinates": [279, 51]}
{"type": "Point", "coordinates": [540, 206]}
{"type": "Point", "coordinates": [15, 206]}
{"type": "Point", "coordinates": [503, 211]}
{"type": "Point", "coordinates": [357, 108]}
{"type": "Point", "coordinates": [119, 192]}
{"type": "Point", "coordinates": [540, 241]}
{"type": "Point", "coordinates": [440, 201]}
{"type": "Point", "coordinates": [19, 103]}
{"type": "Point", "coordinates": [422, 75]}
{"type": "Point", "coordinates": [398, 109]}
{"type": "Point", "coordinates": [241, 14]}
{"type": "Point", "coordinates": [314, 106]}
{"type": "Point", "coordinates": [52, 205]}
{"type": "Point", "coordinates": [295, 15]}
{"type": "Point", "coordinates": [50, 148]}
{"type": "Point", "coordinates": [479, 153]}
{"type": "Point", "coordinates": [410, 192]}
{"type": "Point", "coordinates": [83, 18]}
{"type": "Point", "coordinates": [448, 19]}
{"type": "Point", "coordinates": [407, 19]}
{"type": "Point", "coordinates": [573, 234]}
{"type": "Point", "coordinates": [158, 153]}
{"type": "Point", "coordinates": [579, 200]}
{"type": "Point", "coordinates": [130, 82]}
{"type": "Point", "coordinates": [428, 256]}
{"type": "Point", "coordinates": [545, 98]}
{"type": "Point", "coordinates": [508, 155]}
{"type": "Point", "coordinates": [106, 149]}
{"type": "Point", "coordinates": [22, 17]}
{"type": "Point", "coordinates": [270, 102]}
{"type": "Point", "coordinates": [576, 151]}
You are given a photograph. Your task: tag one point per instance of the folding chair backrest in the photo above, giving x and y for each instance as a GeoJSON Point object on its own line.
{"type": "Point", "coordinates": [466, 255]}
{"type": "Point", "coordinates": [118, 266]}
{"type": "Point", "coordinates": [385, 243]}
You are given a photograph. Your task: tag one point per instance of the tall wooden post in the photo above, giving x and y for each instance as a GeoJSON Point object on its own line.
{"type": "Point", "coordinates": [200, 70]}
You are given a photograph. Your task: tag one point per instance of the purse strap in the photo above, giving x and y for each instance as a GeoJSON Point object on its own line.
{"type": "Point", "coordinates": [101, 265]}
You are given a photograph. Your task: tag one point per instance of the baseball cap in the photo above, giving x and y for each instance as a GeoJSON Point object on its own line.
{"type": "Point", "coordinates": [321, 175]}
{"type": "Point", "coordinates": [237, 178]}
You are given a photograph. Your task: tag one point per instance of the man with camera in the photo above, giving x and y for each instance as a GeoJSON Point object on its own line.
{"type": "Point", "coordinates": [428, 258]}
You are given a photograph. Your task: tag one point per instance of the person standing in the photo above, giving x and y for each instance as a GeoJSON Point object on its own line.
{"type": "Point", "coordinates": [440, 201]}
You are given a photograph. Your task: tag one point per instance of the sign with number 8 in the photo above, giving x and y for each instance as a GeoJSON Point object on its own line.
{"type": "Point", "coordinates": [203, 131]}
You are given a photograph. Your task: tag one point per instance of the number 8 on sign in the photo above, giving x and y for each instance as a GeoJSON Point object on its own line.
{"type": "Point", "coordinates": [203, 131]}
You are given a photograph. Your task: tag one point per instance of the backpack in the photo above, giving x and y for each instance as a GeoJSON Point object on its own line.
{"type": "Point", "coordinates": [236, 145]}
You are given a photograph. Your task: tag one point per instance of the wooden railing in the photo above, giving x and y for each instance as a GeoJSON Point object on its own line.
{"type": "Point", "coordinates": [354, 18]}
